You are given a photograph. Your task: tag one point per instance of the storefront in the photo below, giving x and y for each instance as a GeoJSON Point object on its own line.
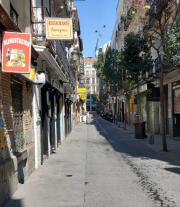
{"type": "Point", "coordinates": [51, 95]}
{"type": "Point", "coordinates": [176, 108]}
{"type": "Point", "coordinates": [17, 58]}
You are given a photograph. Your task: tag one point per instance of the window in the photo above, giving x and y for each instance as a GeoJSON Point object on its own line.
{"type": "Point", "coordinates": [87, 80]}
{"type": "Point", "coordinates": [87, 88]}
{"type": "Point", "coordinates": [93, 72]}
{"type": "Point", "coordinates": [13, 14]}
{"type": "Point", "coordinates": [87, 72]}
{"type": "Point", "coordinates": [93, 80]}
{"type": "Point", "coordinates": [93, 89]}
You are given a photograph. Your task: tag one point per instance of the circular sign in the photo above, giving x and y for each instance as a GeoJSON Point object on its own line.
{"type": "Point", "coordinates": [82, 96]}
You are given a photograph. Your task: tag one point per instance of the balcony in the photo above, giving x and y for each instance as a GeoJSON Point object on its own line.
{"type": "Point", "coordinates": [157, 65]}
{"type": "Point", "coordinates": [39, 15]}
{"type": "Point", "coordinates": [167, 67]}
{"type": "Point", "coordinates": [58, 49]}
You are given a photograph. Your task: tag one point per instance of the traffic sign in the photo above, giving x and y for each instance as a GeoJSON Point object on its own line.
{"type": "Point", "coordinates": [81, 90]}
{"type": "Point", "coordinates": [83, 96]}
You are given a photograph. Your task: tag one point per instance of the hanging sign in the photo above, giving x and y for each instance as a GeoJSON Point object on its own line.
{"type": "Point", "coordinates": [59, 28]}
{"type": "Point", "coordinates": [16, 52]}
{"type": "Point", "coordinates": [83, 96]}
{"type": "Point", "coordinates": [81, 90]}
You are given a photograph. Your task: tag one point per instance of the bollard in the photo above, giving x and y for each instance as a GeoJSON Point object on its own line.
{"type": "Point", "coordinates": [151, 138]}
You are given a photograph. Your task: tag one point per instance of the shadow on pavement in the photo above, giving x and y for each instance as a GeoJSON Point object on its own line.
{"type": "Point", "coordinates": [14, 203]}
{"type": "Point", "coordinates": [173, 169]}
{"type": "Point", "coordinates": [125, 144]}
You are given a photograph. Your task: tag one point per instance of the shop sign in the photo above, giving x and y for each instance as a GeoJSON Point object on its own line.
{"type": "Point", "coordinates": [36, 77]}
{"type": "Point", "coordinates": [81, 90]}
{"type": "Point", "coordinates": [176, 85]}
{"type": "Point", "coordinates": [83, 96]}
{"type": "Point", "coordinates": [59, 28]}
{"type": "Point", "coordinates": [16, 52]}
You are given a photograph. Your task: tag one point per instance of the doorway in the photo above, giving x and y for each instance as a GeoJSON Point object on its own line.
{"type": "Point", "coordinates": [176, 117]}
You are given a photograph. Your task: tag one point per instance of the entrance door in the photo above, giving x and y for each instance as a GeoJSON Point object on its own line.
{"type": "Point", "coordinates": [16, 91]}
{"type": "Point", "coordinates": [176, 95]}
{"type": "Point", "coordinates": [58, 120]}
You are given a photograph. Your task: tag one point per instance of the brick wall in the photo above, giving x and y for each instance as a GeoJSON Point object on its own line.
{"type": "Point", "coordinates": [8, 161]}
{"type": "Point", "coordinates": [5, 93]}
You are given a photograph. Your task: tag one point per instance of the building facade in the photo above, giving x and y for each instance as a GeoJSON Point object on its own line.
{"type": "Point", "coordinates": [149, 107]}
{"type": "Point", "coordinates": [91, 83]}
{"type": "Point", "coordinates": [38, 109]}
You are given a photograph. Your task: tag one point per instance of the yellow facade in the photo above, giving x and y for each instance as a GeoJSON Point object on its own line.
{"type": "Point", "coordinates": [130, 105]}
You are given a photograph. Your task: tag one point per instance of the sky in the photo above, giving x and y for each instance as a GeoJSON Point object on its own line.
{"type": "Point", "coordinates": [93, 14]}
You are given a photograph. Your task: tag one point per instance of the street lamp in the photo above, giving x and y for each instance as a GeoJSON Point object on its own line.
{"type": "Point", "coordinates": [74, 55]}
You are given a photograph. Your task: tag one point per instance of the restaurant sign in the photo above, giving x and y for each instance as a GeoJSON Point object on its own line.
{"type": "Point", "coordinates": [16, 52]}
{"type": "Point", "coordinates": [59, 28]}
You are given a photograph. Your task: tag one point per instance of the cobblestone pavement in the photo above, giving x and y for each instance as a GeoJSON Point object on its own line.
{"type": "Point", "coordinates": [99, 165]}
{"type": "Point", "coordinates": [141, 172]}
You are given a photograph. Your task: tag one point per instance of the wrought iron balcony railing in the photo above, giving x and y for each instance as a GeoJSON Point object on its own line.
{"type": "Point", "coordinates": [166, 66]}
{"type": "Point", "coordinates": [38, 21]}
{"type": "Point", "coordinates": [59, 49]}
{"type": "Point", "coordinates": [157, 65]}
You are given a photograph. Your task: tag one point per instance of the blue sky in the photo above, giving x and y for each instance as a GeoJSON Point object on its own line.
{"type": "Point", "coordinates": [93, 14]}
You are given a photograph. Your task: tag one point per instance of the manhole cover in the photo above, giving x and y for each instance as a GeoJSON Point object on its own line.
{"type": "Point", "coordinates": [68, 175]}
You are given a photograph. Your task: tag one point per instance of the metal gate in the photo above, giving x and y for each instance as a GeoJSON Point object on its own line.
{"type": "Point", "coordinates": [16, 91]}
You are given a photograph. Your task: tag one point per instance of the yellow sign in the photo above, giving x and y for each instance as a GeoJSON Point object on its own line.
{"type": "Point", "coordinates": [60, 105]}
{"type": "Point", "coordinates": [81, 90]}
{"type": "Point", "coordinates": [32, 74]}
{"type": "Point", "coordinates": [83, 96]}
{"type": "Point", "coordinates": [59, 28]}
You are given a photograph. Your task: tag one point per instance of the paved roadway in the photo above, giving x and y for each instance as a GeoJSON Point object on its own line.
{"type": "Point", "coordinates": [99, 165]}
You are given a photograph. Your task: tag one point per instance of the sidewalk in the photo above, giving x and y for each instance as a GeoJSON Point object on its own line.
{"type": "Point", "coordinates": [172, 143]}
{"type": "Point", "coordinates": [61, 180]}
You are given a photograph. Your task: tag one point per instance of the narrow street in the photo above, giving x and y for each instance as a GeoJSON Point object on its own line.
{"type": "Point", "coordinates": [100, 165]}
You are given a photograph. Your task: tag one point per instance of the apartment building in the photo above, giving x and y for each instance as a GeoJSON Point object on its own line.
{"type": "Point", "coordinates": [91, 83]}
{"type": "Point", "coordinates": [38, 106]}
